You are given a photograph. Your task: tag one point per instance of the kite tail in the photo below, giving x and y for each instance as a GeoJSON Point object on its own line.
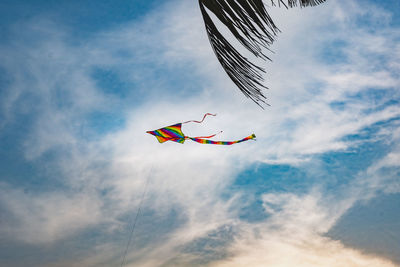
{"type": "Point", "coordinates": [205, 115]}
{"type": "Point", "coordinates": [227, 143]}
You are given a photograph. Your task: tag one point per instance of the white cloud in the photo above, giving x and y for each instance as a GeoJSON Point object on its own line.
{"type": "Point", "coordinates": [295, 232]}
{"type": "Point", "coordinates": [48, 217]}
{"type": "Point", "coordinates": [294, 247]}
{"type": "Point", "coordinates": [300, 124]}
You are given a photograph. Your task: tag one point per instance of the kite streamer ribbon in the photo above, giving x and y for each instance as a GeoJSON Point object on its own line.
{"type": "Point", "coordinates": [227, 143]}
{"type": "Point", "coordinates": [205, 115]}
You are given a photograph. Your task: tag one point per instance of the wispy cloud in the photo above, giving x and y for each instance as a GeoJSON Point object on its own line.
{"type": "Point", "coordinates": [47, 217]}
{"type": "Point", "coordinates": [315, 105]}
{"type": "Point", "coordinates": [294, 237]}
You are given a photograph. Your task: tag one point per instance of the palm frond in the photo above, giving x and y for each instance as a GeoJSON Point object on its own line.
{"type": "Point", "coordinates": [293, 3]}
{"type": "Point", "coordinates": [251, 25]}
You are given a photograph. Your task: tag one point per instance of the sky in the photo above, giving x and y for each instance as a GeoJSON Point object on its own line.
{"type": "Point", "coordinates": [82, 81]}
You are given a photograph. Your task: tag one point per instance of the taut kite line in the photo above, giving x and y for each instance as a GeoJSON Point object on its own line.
{"type": "Point", "coordinates": [250, 23]}
{"type": "Point", "coordinates": [174, 133]}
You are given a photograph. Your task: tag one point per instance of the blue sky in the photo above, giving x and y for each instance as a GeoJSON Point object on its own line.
{"type": "Point", "coordinates": [81, 82]}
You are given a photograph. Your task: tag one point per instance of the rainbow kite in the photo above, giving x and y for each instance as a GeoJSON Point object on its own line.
{"type": "Point", "coordinates": [174, 133]}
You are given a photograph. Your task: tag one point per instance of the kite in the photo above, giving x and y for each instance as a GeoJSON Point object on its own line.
{"type": "Point", "coordinates": [174, 133]}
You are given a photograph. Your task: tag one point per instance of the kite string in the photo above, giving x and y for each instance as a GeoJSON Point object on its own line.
{"type": "Point", "coordinates": [205, 115]}
{"type": "Point", "coordinates": [136, 218]}
{"type": "Point", "coordinates": [205, 136]}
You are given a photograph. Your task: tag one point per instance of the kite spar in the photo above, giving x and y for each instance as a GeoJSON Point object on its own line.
{"type": "Point", "coordinates": [174, 133]}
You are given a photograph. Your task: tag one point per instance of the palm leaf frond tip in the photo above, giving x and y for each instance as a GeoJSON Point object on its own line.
{"type": "Point", "coordinates": [252, 26]}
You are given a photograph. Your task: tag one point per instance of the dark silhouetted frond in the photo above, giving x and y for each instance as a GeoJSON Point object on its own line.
{"type": "Point", "coordinates": [251, 25]}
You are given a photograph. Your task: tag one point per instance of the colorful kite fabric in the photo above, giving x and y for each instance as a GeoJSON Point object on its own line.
{"type": "Point", "coordinates": [174, 133]}
{"type": "Point", "coordinates": [227, 143]}
{"type": "Point", "coordinates": [169, 133]}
